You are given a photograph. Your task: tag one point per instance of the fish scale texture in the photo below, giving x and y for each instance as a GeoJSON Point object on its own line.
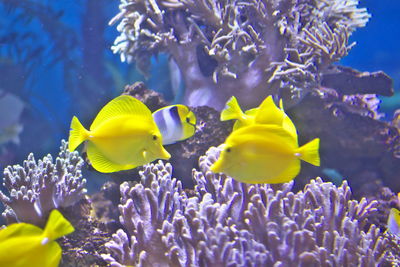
{"type": "Point", "coordinates": [227, 223]}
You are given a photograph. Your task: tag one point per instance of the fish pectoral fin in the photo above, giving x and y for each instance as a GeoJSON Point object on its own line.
{"type": "Point", "coordinates": [101, 163]}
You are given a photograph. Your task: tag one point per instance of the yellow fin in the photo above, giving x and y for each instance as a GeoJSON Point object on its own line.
{"type": "Point", "coordinates": [101, 163]}
{"type": "Point", "coordinates": [269, 113]}
{"type": "Point", "coordinates": [287, 175]}
{"type": "Point", "coordinates": [19, 229]}
{"type": "Point", "coordinates": [77, 134]}
{"type": "Point", "coordinates": [57, 226]}
{"type": "Point", "coordinates": [287, 122]}
{"type": "Point", "coordinates": [53, 255]}
{"type": "Point", "coordinates": [122, 106]}
{"type": "Point", "coordinates": [252, 112]}
{"type": "Point", "coordinates": [309, 152]}
{"type": "Point", "coordinates": [232, 110]}
{"type": "Point", "coordinates": [289, 126]}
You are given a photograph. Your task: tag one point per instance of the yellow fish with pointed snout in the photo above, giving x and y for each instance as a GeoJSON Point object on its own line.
{"type": "Point", "coordinates": [26, 245]}
{"type": "Point", "coordinates": [264, 153]}
{"type": "Point", "coordinates": [122, 136]}
{"type": "Point", "coordinates": [266, 113]}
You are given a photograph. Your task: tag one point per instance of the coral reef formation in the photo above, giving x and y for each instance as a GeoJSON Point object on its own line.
{"type": "Point", "coordinates": [227, 223]}
{"type": "Point", "coordinates": [353, 141]}
{"type": "Point", "coordinates": [256, 48]}
{"type": "Point", "coordinates": [37, 187]}
{"type": "Point", "coordinates": [249, 49]}
{"type": "Point", "coordinates": [86, 244]}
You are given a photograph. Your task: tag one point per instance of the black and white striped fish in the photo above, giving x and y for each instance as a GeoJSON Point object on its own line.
{"type": "Point", "coordinates": [176, 123]}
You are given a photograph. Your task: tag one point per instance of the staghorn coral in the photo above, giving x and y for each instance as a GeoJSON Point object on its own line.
{"type": "Point", "coordinates": [245, 48]}
{"type": "Point", "coordinates": [227, 223]}
{"type": "Point", "coordinates": [37, 187]}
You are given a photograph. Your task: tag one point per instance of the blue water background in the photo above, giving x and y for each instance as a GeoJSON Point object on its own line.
{"type": "Point", "coordinates": [55, 55]}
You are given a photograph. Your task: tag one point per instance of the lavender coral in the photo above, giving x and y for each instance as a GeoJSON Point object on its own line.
{"type": "Point", "coordinates": [227, 223]}
{"type": "Point", "coordinates": [37, 187]}
{"type": "Point", "coordinates": [245, 48]}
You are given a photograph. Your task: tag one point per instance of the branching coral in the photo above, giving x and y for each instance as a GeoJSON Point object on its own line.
{"type": "Point", "coordinates": [37, 187]}
{"type": "Point", "coordinates": [227, 223]}
{"type": "Point", "coordinates": [245, 48]}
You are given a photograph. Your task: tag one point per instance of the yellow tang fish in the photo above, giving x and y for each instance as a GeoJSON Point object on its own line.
{"type": "Point", "coordinates": [176, 123]}
{"type": "Point", "coordinates": [264, 153]}
{"type": "Point", "coordinates": [122, 136]}
{"type": "Point", "coordinates": [266, 113]}
{"type": "Point", "coordinates": [24, 244]}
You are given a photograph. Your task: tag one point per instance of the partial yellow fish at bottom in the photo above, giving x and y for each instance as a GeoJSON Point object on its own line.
{"type": "Point", "coordinates": [264, 154]}
{"type": "Point", "coordinates": [26, 245]}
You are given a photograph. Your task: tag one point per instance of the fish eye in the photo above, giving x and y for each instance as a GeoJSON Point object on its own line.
{"type": "Point", "coordinates": [154, 137]}
{"type": "Point", "coordinates": [188, 119]}
{"type": "Point", "coordinates": [228, 149]}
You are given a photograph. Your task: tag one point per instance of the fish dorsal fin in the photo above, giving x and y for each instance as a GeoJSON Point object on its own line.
{"type": "Point", "coordinates": [101, 163]}
{"type": "Point", "coordinates": [19, 230]}
{"type": "Point", "coordinates": [121, 106]}
{"type": "Point", "coordinates": [287, 122]}
{"type": "Point", "coordinates": [232, 110]}
{"type": "Point", "coordinates": [252, 112]}
{"type": "Point", "coordinates": [248, 116]}
{"type": "Point", "coordinates": [289, 126]}
{"type": "Point", "coordinates": [269, 113]}
{"type": "Point", "coordinates": [57, 226]}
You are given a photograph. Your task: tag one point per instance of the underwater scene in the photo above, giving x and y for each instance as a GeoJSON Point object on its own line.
{"type": "Point", "coordinates": [199, 133]}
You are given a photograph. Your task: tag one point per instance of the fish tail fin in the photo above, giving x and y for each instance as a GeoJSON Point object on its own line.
{"type": "Point", "coordinates": [310, 152]}
{"type": "Point", "coordinates": [57, 226]}
{"type": "Point", "coordinates": [232, 110]}
{"type": "Point", "coordinates": [77, 134]}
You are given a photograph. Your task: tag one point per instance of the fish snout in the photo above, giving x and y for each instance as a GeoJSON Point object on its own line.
{"type": "Point", "coordinates": [164, 154]}
{"type": "Point", "coordinates": [217, 166]}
